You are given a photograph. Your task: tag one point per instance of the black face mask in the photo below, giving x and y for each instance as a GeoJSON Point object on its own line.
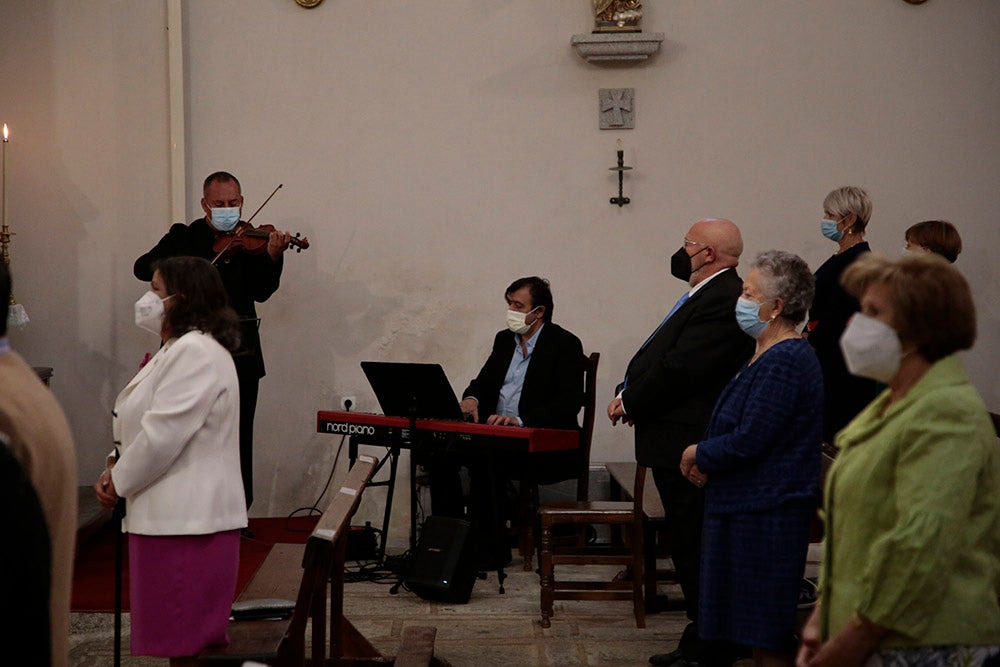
{"type": "Point", "coordinates": [680, 263]}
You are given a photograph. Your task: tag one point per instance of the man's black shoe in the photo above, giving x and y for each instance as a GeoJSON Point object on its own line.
{"type": "Point", "coordinates": [667, 659]}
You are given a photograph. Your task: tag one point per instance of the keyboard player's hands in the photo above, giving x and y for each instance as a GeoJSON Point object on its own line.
{"type": "Point", "coordinates": [502, 420]}
{"type": "Point", "coordinates": [470, 406]}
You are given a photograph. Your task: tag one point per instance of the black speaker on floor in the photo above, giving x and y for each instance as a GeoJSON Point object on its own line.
{"type": "Point", "coordinates": [443, 567]}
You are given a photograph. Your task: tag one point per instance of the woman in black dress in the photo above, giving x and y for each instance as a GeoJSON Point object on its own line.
{"type": "Point", "coordinates": [846, 212]}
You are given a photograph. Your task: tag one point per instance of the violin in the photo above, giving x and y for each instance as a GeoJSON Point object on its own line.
{"type": "Point", "coordinates": [249, 239]}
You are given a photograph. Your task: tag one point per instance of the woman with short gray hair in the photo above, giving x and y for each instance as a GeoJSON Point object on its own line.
{"type": "Point", "coordinates": [760, 466]}
{"type": "Point", "coordinates": [846, 213]}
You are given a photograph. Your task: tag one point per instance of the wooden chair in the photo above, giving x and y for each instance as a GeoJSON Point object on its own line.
{"type": "Point", "coordinates": [528, 503]}
{"type": "Point", "coordinates": [621, 475]}
{"type": "Point", "coordinates": [625, 515]}
{"type": "Point", "coordinates": [281, 641]}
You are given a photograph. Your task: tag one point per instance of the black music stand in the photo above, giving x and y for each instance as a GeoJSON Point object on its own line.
{"type": "Point", "coordinates": [414, 391]}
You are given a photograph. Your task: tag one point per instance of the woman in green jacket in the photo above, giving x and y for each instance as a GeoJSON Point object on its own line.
{"type": "Point", "coordinates": [911, 560]}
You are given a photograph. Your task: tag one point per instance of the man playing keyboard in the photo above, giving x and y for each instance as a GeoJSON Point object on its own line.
{"type": "Point", "coordinates": [533, 377]}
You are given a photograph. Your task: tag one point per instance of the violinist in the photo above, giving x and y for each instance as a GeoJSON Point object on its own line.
{"type": "Point", "coordinates": [249, 274]}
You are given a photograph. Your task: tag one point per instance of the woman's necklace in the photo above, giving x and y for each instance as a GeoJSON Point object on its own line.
{"type": "Point", "coordinates": [845, 248]}
{"type": "Point", "coordinates": [785, 334]}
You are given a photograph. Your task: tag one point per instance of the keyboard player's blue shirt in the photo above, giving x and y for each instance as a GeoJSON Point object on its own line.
{"type": "Point", "coordinates": [513, 382]}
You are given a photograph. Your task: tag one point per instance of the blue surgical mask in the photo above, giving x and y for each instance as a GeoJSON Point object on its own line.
{"type": "Point", "coordinates": [748, 317]}
{"type": "Point", "coordinates": [225, 219]}
{"type": "Point", "coordinates": [830, 231]}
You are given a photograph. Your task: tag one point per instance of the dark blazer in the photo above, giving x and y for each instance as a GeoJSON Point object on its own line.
{"type": "Point", "coordinates": [832, 307]}
{"type": "Point", "coordinates": [552, 394]}
{"type": "Point", "coordinates": [675, 379]}
{"type": "Point", "coordinates": [247, 279]}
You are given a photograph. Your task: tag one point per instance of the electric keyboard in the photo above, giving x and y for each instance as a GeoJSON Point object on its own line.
{"type": "Point", "coordinates": [395, 431]}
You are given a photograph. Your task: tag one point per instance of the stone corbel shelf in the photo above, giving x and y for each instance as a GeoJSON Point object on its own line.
{"type": "Point", "coordinates": [617, 47]}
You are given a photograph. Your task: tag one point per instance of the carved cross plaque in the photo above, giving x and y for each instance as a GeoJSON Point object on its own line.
{"type": "Point", "coordinates": [616, 107]}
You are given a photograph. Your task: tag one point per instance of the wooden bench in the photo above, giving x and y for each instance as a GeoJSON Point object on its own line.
{"type": "Point", "coordinates": [621, 475]}
{"type": "Point", "coordinates": [281, 641]}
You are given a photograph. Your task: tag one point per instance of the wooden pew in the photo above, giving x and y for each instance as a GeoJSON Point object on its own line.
{"type": "Point", "coordinates": [621, 476]}
{"type": "Point", "coordinates": [281, 641]}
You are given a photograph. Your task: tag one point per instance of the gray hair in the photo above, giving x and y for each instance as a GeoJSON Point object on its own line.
{"type": "Point", "coordinates": [786, 276]}
{"type": "Point", "coordinates": [850, 199]}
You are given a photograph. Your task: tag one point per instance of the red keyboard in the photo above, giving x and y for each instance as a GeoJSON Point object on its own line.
{"type": "Point", "coordinates": [395, 431]}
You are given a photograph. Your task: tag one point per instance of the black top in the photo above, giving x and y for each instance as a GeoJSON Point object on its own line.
{"type": "Point", "coordinates": [675, 379]}
{"type": "Point", "coordinates": [845, 395]}
{"type": "Point", "coordinates": [552, 394]}
{"type": "Point", "coordinates": [247, 279]}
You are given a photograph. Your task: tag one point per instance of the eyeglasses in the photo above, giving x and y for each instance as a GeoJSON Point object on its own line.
{"type": "Point", "coordinates": [688, 241]}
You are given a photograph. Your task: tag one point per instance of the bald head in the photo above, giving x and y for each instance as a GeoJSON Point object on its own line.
{"type": "Point", "coordinates": [721, 234]}
{"type": "Point", "coordinates": [722, 242]}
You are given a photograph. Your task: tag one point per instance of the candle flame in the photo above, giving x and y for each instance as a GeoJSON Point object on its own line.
{"type": "Point", "coordinates": [5, 132]}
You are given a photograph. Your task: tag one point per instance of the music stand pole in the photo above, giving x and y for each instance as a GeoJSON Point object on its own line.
{"type": "Point", "coordinates": [117, 515]}
{"type": "Point", "coordinates": [413, 493]}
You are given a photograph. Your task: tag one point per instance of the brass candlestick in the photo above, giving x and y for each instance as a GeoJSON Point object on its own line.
{"type": "Point", "coordinates": [16, 314]}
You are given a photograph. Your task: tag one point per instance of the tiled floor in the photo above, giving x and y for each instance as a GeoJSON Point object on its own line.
{"type": "Point", "coordinates": [494, 629]}
{"type": "Point", "coordinates": [491, 629]}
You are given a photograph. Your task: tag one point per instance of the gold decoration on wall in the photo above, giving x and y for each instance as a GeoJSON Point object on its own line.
{"type": "Point", "coordinates": [308, 4]}
{"type": "Point", "coordinates": [617, 15]}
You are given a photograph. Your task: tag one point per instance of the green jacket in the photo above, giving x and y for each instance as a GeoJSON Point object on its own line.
{"type": "Point", "coordinates": [912, 514]}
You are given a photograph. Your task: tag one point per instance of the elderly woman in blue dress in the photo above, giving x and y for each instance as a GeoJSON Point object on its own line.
{"type": "Point", "coordinates": [760, 466]}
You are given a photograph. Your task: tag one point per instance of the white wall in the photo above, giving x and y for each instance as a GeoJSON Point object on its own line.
{"type": "Point", "coordinates": [432, 152]}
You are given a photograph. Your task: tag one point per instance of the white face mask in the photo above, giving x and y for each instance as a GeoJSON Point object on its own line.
{"type": "Point", "coordinates": [516, 323]}
{"type": "Point", "coordinates": [149, 312]}
{"type": "Point", "coordinates": [871, 348]}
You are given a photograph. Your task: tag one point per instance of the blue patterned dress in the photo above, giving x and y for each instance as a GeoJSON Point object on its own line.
{"type": "Point", "coordinates": [762, 457]}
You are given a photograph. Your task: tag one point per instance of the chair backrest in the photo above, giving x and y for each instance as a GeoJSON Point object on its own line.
{"type": "Point", "coordinates": [322, 564]}
{"type": "Point", "coordinates": [337, 517]}
{"type": "Point", "coordinates": [587, 430]}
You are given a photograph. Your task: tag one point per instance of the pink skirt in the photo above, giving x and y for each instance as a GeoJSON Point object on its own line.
{"type": "Point", "coordinates": [181, 590]}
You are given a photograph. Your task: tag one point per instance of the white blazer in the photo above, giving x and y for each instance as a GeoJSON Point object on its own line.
{"type": "Point", "coordinates": [176, 425]}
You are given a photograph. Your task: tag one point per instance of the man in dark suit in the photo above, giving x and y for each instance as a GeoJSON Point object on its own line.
{"type": "Point", "coordinates": [533, 377]}
{"type": "Point", "coordinates": [670, 388]}
{"type": "Point", "coordinates": [248, 278]}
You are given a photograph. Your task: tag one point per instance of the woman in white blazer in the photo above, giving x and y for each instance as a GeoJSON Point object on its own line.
{"type": "Point", "coordinates": [176, 430]}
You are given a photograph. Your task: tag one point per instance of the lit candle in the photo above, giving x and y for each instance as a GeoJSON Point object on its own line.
{"type": "Point", "coordinates": [3, 210]}
{"type": "Point", "coordinates": [619, 141]}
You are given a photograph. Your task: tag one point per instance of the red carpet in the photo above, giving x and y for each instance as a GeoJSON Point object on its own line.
{"type": "Point", "coordinates": [94, 570]}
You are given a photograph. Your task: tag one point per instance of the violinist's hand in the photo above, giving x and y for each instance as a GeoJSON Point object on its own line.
{"type": "Point", "coordinates": [277, 243]}
{"type": "Point", "coordinates": [105, 490]}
